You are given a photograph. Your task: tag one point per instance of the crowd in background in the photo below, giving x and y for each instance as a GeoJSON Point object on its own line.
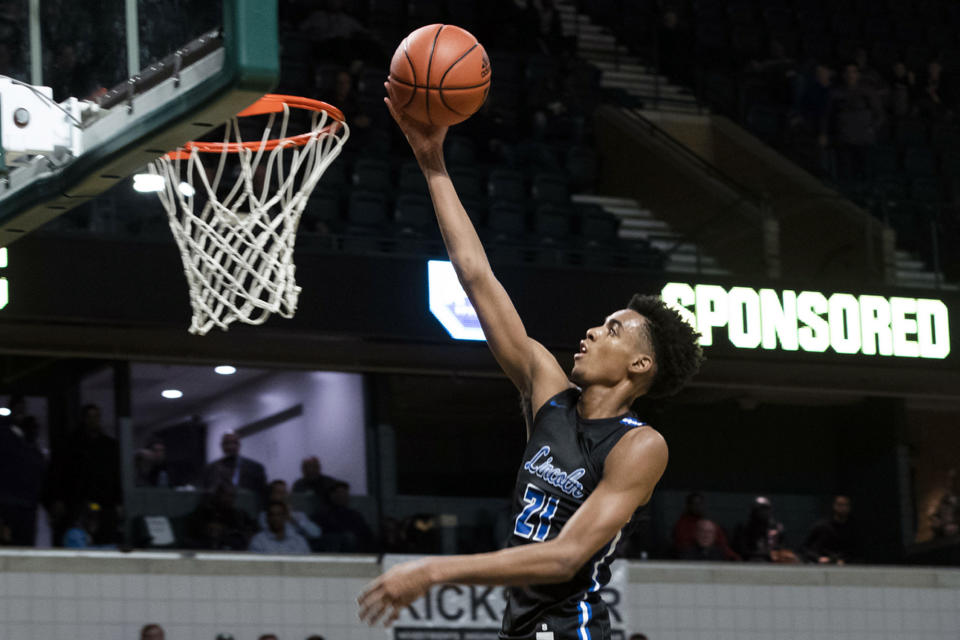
{"type": "Point", "coordinates": [79, 488]}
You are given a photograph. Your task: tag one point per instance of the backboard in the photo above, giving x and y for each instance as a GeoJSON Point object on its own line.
{"type": "Point", "coordinates": [128, 80]}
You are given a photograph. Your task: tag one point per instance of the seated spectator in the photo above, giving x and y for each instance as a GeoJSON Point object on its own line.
{"type": "Point", "coordinates": [84, 532]}
{"type": "Point", "coordinates": [635, 636]}
{"type": "Point", "coordinates": [151, 465]}
{"type": "Point", "coordinates": [832, 540]}
{"type": "Point", "coordinates": [234, 469]}
{"type": "Point", "coordinates": [6, 534]}
{"type": "Point", "coordinates": [217, 523]}
{"type": "Point", "coordinates": [705, 545]}
{"type": "Point", "coordinates": [152, 632]}
{"type": "Point", "coordinates": [297, 521]}
{"type": "Point", "coordinates": [903, 90]}
{"type": "Point", "coordinates": [85, 469]}
{"type": "Point", "coordinates": [422, 533]}
{"type": "Point", "coordinates": [313, 480]}
{"type": "Point", "coordinates": [762, 538]}
{"type": "Point", "coordinates": [268, 636]}
{"type": "Point", "coordinates": [344, 529]}
{"type": "Point", "coordinates": [945, 517]}
{"type": "Point", "coordinates": [276, 539]}
{"type": "Point", "coordinates": [685, 530]}
{"type": "Point", "coordinates": [315, 637]}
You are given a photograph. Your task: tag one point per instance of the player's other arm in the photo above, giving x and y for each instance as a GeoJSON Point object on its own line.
{"type": "Point", "coordinates": [528, 364]}
{"type": "Point", "coordinates": [631, 472]}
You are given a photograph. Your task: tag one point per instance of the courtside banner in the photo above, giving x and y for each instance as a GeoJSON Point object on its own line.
{"type": "Point", "coordinates": [470, 612]}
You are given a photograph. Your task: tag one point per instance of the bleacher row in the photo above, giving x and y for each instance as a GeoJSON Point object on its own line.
{"type": "Point", "coordinates": [514, 170]}
{"type": "Point", "coordinates": [911, 178]}
{"type": "Point", "coordinates": [522, 216]}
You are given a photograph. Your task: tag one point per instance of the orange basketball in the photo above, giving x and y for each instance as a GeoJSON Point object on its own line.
{"type": "Point", "coordinates": [440, 74]}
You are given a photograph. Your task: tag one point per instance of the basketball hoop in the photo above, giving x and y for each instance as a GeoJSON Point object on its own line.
{"type": "Point", "coordinates": [237, 241]}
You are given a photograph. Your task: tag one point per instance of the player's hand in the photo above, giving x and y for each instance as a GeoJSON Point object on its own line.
{"type": "Point", "coordinates": [424, 139]}
{"type": "Point", "coordinates": [387, 596]}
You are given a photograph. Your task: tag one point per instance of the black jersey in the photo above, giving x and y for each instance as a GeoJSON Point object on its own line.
{"type": "Point", "coordinates": [562, 465]}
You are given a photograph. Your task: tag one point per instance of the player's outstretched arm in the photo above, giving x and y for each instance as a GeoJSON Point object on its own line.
{"type": "Point", "coordinates": [631, 472]}
{"type": "Point", "coordinates": [528, 364]}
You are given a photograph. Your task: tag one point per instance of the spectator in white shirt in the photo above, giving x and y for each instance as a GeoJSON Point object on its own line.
{"type": "Point", "coordinates": [276, 539]}
{"type": "Point", "coordinates": [297, 522]}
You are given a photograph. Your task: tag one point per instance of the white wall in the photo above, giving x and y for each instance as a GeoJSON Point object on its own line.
{"type": "Point", "coordinates": [51, 595]}
{"type": "Point", "coordinates": [331, 426]}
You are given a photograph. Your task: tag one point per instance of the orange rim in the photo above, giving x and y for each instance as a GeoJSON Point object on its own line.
{"type": "Point", "coordinates": [270, 103]}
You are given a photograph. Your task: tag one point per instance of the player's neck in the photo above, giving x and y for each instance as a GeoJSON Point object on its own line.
{"type": "Point", "coordinates": [598, 402]}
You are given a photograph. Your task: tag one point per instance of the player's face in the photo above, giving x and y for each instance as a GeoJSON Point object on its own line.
{"type": "Point", "coordinates": [608, 350]}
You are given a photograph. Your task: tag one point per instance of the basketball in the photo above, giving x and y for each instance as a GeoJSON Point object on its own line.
{"type": "Point", "coordinates": [440, 75]}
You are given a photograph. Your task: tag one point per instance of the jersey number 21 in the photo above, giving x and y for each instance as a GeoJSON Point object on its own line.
{"type": "Point", "coordinates": [533, 522]}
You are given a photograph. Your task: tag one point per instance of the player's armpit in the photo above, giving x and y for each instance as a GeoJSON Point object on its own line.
{"type": "Point", "coordinates": [631, 471]}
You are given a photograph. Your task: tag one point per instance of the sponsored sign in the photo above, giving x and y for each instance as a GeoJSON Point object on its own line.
{"type": "Point", "coordinates": [813, 322]}
{"type": "Point", "coordinates": [471, 612]}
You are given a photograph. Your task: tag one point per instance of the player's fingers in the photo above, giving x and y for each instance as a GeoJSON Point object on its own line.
{"type": "Point", "coordinates": [369, 606]}
{"type": "Point", "coordinates": [394, 614]}
{"type": "Point", "coordinates": [376, 612]}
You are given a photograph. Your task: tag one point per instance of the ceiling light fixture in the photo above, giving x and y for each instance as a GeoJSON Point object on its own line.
{"type": "Point", "coordinates": [226, 370]}
{"type": "Point", "coordinates": [171, 394]}
{"type": "Point", "coordinates": [4, 411]}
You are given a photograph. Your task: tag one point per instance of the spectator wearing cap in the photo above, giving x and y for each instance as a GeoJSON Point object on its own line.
{"type": "Point", "coordinates": [276, 538]}
{"type": "Point", "coordinates": [832, 540]}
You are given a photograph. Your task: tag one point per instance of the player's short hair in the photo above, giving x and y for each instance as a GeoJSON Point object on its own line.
{"type": "Point", "coordinates": [676, 349]}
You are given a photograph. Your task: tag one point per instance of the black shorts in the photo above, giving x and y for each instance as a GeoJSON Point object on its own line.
{"type": "Point", "coordinates": [584, 619]}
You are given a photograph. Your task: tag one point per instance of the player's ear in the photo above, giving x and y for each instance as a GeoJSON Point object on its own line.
{"type": "Point", "coordinates": [642, 363]}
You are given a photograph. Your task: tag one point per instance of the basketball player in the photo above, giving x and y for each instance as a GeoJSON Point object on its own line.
{"type": "Point", "coordinates": [589, 463]}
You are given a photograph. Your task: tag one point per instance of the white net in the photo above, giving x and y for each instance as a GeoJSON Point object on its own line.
{"type": "Point", "coordinates": [236, 240]}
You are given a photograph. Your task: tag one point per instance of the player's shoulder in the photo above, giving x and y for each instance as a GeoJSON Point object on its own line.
{"type": "Point", "coordinates": [642, 444]}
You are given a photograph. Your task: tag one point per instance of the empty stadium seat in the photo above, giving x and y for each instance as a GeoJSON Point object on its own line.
{"type": "Point", "coordinates": [411, 179]}
{"type": "Point", "coordinates": [506, 219]}
{"type": "Point", "coordinates": [506, 184]}
{"type": "Point", "coordinates": [552, 221]}
{"type": "Point", "coordinates": [413, 212]}
{"type": "Point", "coordinates": [467, 181]}
{"type": "Point", "coordinates": [372, 174]}
{"type": "Point", "coordinates": [550, 187]}
{"type": "Point", "coordinates": [367, 209]}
